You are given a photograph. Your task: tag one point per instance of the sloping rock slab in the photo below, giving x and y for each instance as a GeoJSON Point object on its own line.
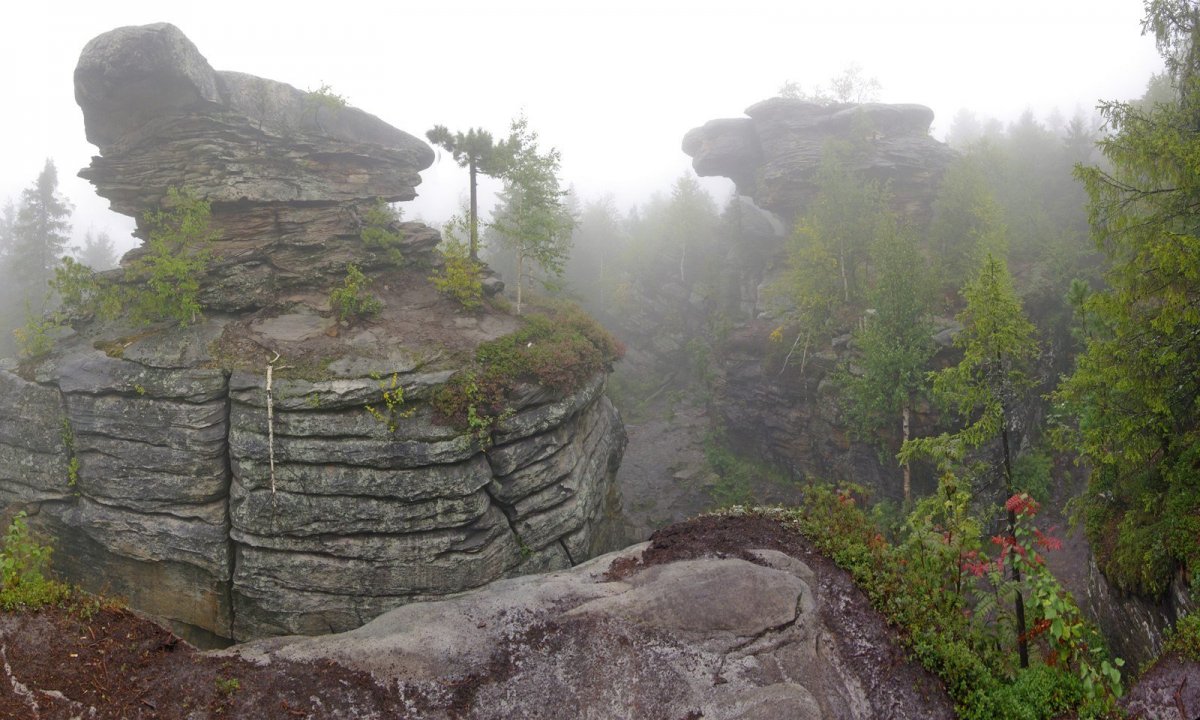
{"type": "Point", "coordinates": [715, 618]}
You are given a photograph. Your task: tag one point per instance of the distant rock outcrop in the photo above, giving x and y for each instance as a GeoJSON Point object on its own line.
{"type": "Point", "coordinates": [773, 155]}
{"type": "Point", "coordinates": [228, 476]}
{"type": "Point", "coordinates": [769, 403]}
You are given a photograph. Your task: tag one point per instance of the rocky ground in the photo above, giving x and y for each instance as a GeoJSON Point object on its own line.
{"type": "Point", "coordinates": [647, 659]}
{"type": "Point", "coordinates": [607, 640]}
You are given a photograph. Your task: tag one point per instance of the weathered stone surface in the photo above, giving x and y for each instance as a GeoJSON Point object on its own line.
{"type": "Point", "coordinates": [163, 118]}
{"type": "Point", "coordinates": [170, 470]}
{"type": "Point", "coordinates": [710, 637]}
{"type": "Point", "coordinates": [1133, 626]}
{"type": "Point", "coordinates": [773, 155]}
{"type": "Point", "coordinates": [288, 173]}
{"type": "Point", "coordinates": [34, 433]}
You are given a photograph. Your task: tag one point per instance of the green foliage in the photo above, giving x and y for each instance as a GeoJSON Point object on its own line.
{"type": "Point", "coordinates": [390, 412]}
{"type": "Point", "coordinates": [228, 686]}
{"type": "Point", "coordinates": [37, 234]}
{"type": "Point", "coordinates": [1184, 638]}
{"type": "Point", "coordinates": [924, 587]}
{"type": "Point", "coordinates": [68, 440]}
{"type": "Point", "coordinates": [532, 219]}
{"type": "Point", "coordinates": [36, 337]}
{"type": "Point", "coordinates": [164, 281]}
{"type": "Point", "coordinates": [352, 301]}
{"type": "Point", "coordinates": [460, 277]}
{"type": "Point", "coordinates": [161, 283]}
{"type": "Point", "coordinates": [827, 259]}
{"type": "Point", "coordinates": [559, 350]}
{"type": "Point", "coordinates": [325, 97]}
{"type": "Point", "coordinates": [967, 223]}
{"type": "Point", "coordinates": [998, 348]}
{"type": "Point", "coordinates": [1032, 475]}
{"type": "Point", "coordinates": [889, 374]}
{"type": "Point", "coordinates": [479, 153]}
{"type": "Point", "coordinates": [24, 565]}
{"type": "Point", "coordinates": [379, 233]}
{"type": "Point", "coordinates": [1133, 393]}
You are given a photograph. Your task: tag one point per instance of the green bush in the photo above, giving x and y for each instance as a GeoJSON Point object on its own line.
{"type": "Point", "coordinates": [165, 279]}
{"type": "Point", "coordinates": [378, 234]}
{"type": "Point", "coordinates": [923, 586]}
{"type": "Point", "coordinates": [1184, 638]}
{"type": "Point", "coordinates": [162, 283]}
{"type": "Point", "coordinates": [351, 301]}
{"type": "Point", "coordinates": [460, 277]}
{"type": "Point", "coordinates": [24, 565]}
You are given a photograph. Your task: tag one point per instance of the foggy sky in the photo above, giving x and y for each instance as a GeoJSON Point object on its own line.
{"type": "Point", "coordinates": [613, 84]}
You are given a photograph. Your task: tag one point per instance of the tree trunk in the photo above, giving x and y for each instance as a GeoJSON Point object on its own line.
{"type": "Point", "coordinates": [520, 278]}
{"type": "Point", "coordinates": [905, 413]}
{"type": "Point", "coordinates": [1022, 642]}
{"type": "Point", "coordinates": [682, 259]}
{"type": "Point", "coordinates": [845, 280]}
{"type": "Point", "coordinates": [474, 219]}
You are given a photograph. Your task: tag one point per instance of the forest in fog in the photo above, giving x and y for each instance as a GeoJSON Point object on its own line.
{"type": "Point", "coordinates": [943, 361]}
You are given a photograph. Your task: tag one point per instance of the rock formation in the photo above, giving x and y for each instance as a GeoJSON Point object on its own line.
{"type": "Point", "coordinates": [773, 155]}
{"type": "Point", "coordinates": [755, 633]}
{"type": "Point", "coordinates": [227, 475]}
{"type": "Point", "coordinates": [287, 172]}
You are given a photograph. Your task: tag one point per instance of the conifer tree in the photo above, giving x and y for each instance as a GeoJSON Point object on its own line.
{"type": "Point", "coordinates": [998, 346]}
{"type": "Point", "coordinates": [479, 153]}
{"type": "Point", "coordinates": [1135, 392]}
{"type": "Point", "coordinates": [39, 236]}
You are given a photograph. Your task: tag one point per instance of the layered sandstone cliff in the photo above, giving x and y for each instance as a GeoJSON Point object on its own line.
{"type": "Point", "coordinates": [228, 475]}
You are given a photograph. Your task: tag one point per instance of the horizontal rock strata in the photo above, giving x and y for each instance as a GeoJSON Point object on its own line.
{"type": "Point", "coordinates": [156, 484]}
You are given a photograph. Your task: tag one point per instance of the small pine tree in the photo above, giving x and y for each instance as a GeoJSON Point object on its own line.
{"type": "Point", "coordinates": [166, 278]}
{"type": "Point", "coordinates": [998, 346]}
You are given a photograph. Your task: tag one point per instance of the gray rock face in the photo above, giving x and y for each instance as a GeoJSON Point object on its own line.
{"type": "Point", "coordinates": [774, 154]}
{"type": "Point", "coordinates": [171, 471]}
{"type": "Point", "coordinates": [288, 173]}
{"type": "Point", "coordinates": [156, 484]}
{"type": "Point", "coordinates": [716, 638]}
{"type": "Point", "coordinates": [163, 117]}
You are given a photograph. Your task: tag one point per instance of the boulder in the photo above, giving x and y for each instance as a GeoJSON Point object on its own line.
{"type": "Point", "coordinates": [755, 636]}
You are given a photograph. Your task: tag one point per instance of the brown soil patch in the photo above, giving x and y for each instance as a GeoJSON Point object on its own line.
{"type": "Point", "coordinates": [116, 664]}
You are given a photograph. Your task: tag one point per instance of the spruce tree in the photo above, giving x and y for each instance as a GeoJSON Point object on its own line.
{"type": "Point", "coordinates": [986, 386]}
{"type": "Point", "coordinates": [1135, 391]}
{"type": "Point", "coordinates": [39, 237]}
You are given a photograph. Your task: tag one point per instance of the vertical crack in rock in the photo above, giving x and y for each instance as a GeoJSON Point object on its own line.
{"type": "Point", "coordinates": [570, 558]}
{"type": "Point", "coordinates": [510, 515]}
{"type": "Point", "coordinates": [227, 484]}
